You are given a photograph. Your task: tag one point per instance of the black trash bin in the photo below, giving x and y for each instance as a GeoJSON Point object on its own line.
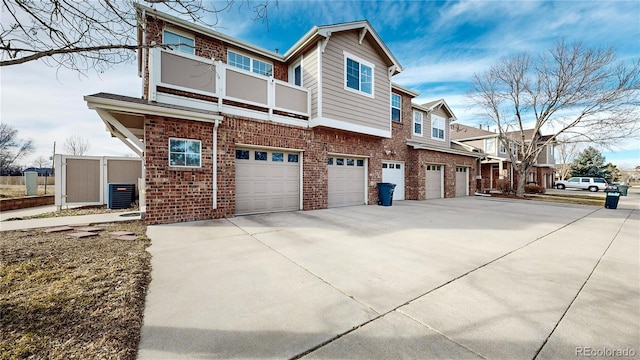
{"type": "Point", "coordinates": [385, 193]}
{"type": "Point", "coordinates": [611, 201]}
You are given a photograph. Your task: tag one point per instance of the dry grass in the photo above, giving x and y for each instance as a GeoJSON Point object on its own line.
{"type": "Point", "coordinates": [580, 200]}
{"type": "Point", "coordinates": [14, 191]}
{"type": "Point", "coordinates": [83, 210]}
{"type": "Point", "coordinates": [63, 298]}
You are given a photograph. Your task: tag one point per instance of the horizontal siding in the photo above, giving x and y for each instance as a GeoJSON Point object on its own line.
{"type": "Point", "coordinates": [340, 104]}
{"type": "Point", "coordinates": [310, 77]}
{"type": "Point", "coordinates": [426, 130]}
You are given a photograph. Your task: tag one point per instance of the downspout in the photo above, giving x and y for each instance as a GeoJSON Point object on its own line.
{"type": "Point", "coordinates": [144, 51]}
{"type": "Point", "coordinates": [215, 163]}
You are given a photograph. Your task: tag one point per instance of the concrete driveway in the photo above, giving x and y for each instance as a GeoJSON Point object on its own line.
{"type": "Point", "coordinates": [451, 278]}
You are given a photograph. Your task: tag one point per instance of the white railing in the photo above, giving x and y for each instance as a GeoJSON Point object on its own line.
{"type": "Point", "coordinates": [206, 84]}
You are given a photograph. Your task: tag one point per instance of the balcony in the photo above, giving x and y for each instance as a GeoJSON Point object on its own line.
{"type": "Point", "coordinates": [192, 81]}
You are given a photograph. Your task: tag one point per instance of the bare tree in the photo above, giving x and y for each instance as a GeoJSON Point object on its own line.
{"type": "Point", "coordinates": [565, 153]}
{"type": "Point", "coordinates": [12, 148]}
{"type": "Point", "coordinates": [76, 145]}
{"type": "Point", "coordinates": [581, 93]}
{"type": "Point", "coordinates": [90, 34]}
{"type": "Point", "coordinates": [41, 162]}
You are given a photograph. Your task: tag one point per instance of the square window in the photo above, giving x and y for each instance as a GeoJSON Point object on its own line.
{"type": "Point", "coordinates": [397, 166]}
{"type": "Point", "coordinates": [437, 127]}
{"type": "Point", "coordinates": [178, 42]}
{"type": "Point", "coordinates": [184, 152]}
{"type": "Point", "coordinates": [340, 162]}
{"type": "Point", "coordinates": [277, 157]}
{"type": "Point", "coordinates": [260, 155]}
{"type": "Point", "coordinates": [330, 161]}
{"type": "Point", "coordinates": [242, 154]}
{"type": "Point", "coordinates": [384, 166]}
{"type": "Point", "coordinates": [239, 61]}
{"type": "Point", "coordinates": [350, 162]}
{"type": "Point", "coordinates": [358, 75]}
{"type": "Point", "coordinates": [360, 163]}
{"type": "Point", "coordinates": [292, 158]}
{"type": "Point", "coordinates": [262, 68]}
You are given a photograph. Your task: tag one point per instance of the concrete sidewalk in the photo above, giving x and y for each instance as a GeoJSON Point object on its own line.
{"type": "Point", "coordinates": [57, 221]}
{"type": "Point", "coordinates": [449, 278]}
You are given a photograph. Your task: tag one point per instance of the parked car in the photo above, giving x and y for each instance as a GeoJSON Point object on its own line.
{"type": "Point", "coordinates": [592, 184]}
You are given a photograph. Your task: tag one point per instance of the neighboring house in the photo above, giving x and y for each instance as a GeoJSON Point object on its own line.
{"type": "Point", "coordinates": [227, 128]}
{"type": "Point", "coordinates": [497, 164]}
{"type": "Point", "coordinates": [40, 171]}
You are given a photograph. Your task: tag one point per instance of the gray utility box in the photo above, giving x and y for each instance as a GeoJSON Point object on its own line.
{"type": "Point", "coordinates": [120, 196]}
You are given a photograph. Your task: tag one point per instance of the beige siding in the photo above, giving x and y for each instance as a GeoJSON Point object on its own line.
{"type": "Point", "coordinates": [182, 71]}
{"type": "Point", "coordinates": [426, 130]}
{"type": "Point", "coordinates": [340, 104]}
{"type": "Point", "coordinates": [310, 77]}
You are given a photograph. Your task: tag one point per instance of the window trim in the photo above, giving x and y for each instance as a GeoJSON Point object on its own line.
{"type": "Point", "coordinates": [181, 34]}
{"type": "Point", "coordinates": [292, 73]}
{"type": "Point", "coordinates": [413, 127]}
{"type": "Point", "coordinates": [395, 107]}
{"type": "Point", "coordinates": [486, 145]}
{"type": "Point", "coordinates": [360, 62]}
{"type": "Point", "coordinates": [444, 127]}
{"type": "Point", "coordinates": [251, 61]}
{"type": "Point", "coordinates": [184, 166]}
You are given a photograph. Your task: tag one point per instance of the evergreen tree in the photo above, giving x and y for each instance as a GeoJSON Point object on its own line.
{"type": "Point", "coordinates": [590, 162]}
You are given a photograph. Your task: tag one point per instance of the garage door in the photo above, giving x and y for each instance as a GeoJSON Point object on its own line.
{"type": "Point", "coordinates": [346, 181]}
{"type": "Point", "coordinates": [393, 172]}
{"type": "Point", "coordinates": [267, 180]}
{"type": "Point", "coordinates": [434, 181]}
{"type": "Point", "coordinates": [462, 181]}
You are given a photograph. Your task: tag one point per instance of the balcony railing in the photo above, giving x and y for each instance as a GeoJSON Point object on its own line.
{"type": "Point", "coordinates": [192, 81]}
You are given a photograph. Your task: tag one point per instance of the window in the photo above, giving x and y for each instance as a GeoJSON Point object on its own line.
{"type": "Point", "coordinates": [277, 157]}
{"type": "Point", "coordinates": [574, 180]}
{"type": "Point", "coordinates": [514, 149]}
{"type": "Point", "coordinates": [246, 63]}
{"type": "Point", "coordinates": [360, 163]}
{"type": "Point", "coordinates": [340, 162]}
{"type": "Point", "coordinates": [503, 150]}
{"type": "Point", "coordinates": [330, 161]}
{"type": "Point", "coordinates": [178, 42]}
{"type": "Point", "coordinates": [242, 154]}
{"type": "Point", "coordinates": [599, 181]}
{"type": "Point", "coordinates": [396, 107]}
{"type": "Point", "coordinates": [295, 74]}
{"type": "Point", "coordinates": [260, 155]}
{"type": "Point", "coordinates": [437, 127]}
{"type": "Point", "coordinates": [184, 152]}
{"type": "Point", "coordinates": [550, 150]}
{"type": "Point", "coordinates": [417, 123]}
{"type": "Point", "coordinates": [490, 145]}
{"type": "Point", "coordinates": [351, 162]}
{"type": "Point", "coordinates": [358, 74]}
{"type": "Point", "coordinates": [292, 158]}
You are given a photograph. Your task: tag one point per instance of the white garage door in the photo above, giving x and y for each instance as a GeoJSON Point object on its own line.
{"type": "Point", "coordinates": [462, 181]}
{"type": "Point", "coordinates": [346, 181]}
{"type": "Point", "coordinates": [393, 172]}
{"type": "Point", "coordinates": [267, 180]}
{"type": "Point", "coordinates": [434, 181]}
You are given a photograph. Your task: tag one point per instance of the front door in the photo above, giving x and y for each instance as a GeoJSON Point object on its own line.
{"type": "Point", "coordinates": [495, 175]}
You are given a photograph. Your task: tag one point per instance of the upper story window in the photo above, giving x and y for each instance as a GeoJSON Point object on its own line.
{"type": "Point", "coordinates": [550, 151]}
{"type": "Point", "coordinates": [437, 127]}
{"type": "Point", "coordinates": [396, 107]}
{"type": "Point", "coordinates": [295, 74]}
{"type": "Point", "coordinates": [514, 149]}
{"type": "Point", "coordinates": [503, 149]}
{"type": "Point", "coordinates": [358, 75]}
{"type": "Point", "coordinates": [178, 42]}
{"type": "Point", "coordinates": [184, 152]}
{"type": "Point", "coordinates": [246, 63]}
{"type": "Point", "coordinates": [417, 123]}
{"type": "Point", "coordinates": [490, 145]}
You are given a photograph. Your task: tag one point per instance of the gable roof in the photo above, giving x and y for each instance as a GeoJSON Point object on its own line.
{"type": "Point", "coordinates": [465, 132]}
{"type": "Point", "coordinates": [315, 34]}
{"type": "Point", "coordinates": [432, 105]}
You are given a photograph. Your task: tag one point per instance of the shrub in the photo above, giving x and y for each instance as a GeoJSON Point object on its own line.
{"type": "Point", "coordinates": [534, 189]}
{"type": "Point", "coordinates": [504, 186]}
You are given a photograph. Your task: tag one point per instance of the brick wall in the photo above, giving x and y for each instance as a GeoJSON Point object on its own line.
{"type": "Point", "coordinates": [26, 202]}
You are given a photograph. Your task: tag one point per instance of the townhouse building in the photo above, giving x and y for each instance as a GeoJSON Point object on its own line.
{"type": "Point", "coordinates": [227, 128]}
{"type": "Point", "coordinates": [498, 161]}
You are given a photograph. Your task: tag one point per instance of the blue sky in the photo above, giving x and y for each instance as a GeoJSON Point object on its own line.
{"type": "Point", "coordinates": [439, 44]}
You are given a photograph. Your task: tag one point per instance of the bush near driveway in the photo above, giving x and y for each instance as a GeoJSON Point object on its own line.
{"type": "Point", "coordinates": [534, 189]}
{"type": "Point", "coordinates": [63, 298]}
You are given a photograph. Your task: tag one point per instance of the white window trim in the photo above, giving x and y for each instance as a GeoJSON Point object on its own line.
{"type": "Point", "coordinates": [251, 59]}
{"type": "Point", "coordinates": [183, 34]}
{"type": "Point", "coordinates": [292, 72]}
{"type": "Point", "coordinates": [444, 127]}
{"type": "Point", "coordinates": [183, 166]}
{"type": "Point", "coordinates": [393, 107]}
{"type": "Point", "coordinates": [486, 145]}
{"type": "Point", "coordinates": [361, 61]}
{"type": "Point", "coordinates": [413, 123]}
